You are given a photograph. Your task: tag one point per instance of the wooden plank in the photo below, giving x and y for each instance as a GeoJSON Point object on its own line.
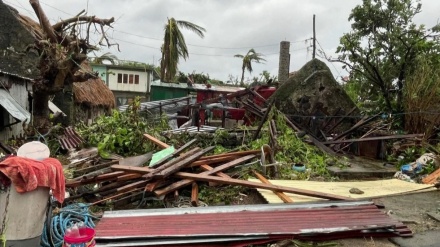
{"type": "Point", "coordinates": [156, 141]}
{"type": "Point", "coordinates": [359, 124]}
{"type": "Point", "coordinates": [178, 159]}
{"type": "Point", "coordinates": [141, 170]}
{"type": "Point", "coordinates": [209, 168]}
{"type": "Point", "coordinates": [186, 182]}
{"type": "Point", "coordinates": [341, 120]}
{"type": "Point", "coordinates": [170, 163]}
{"type": "Point", "coordinates": [179, 165]}
{"type": "Point", "coordinates": [97, 179]}
{"type": "Point", "coordinates": [195, 195]}
{"type": "Point", "coordinates": [266, 115]}
{"type": "Point", "coordinates": [374, 138]}
{"type": "Point", "coordinates": [281, 195]}
{"type": "Point", "coordinates": [91, 168]}
{"type": "Point", "coordinates": [174, 154]}
{"type": "Point", "coordinates": [238, 153]}
{"type": "Point", "coordinates": [153, 185]}
{"type": "Point", "coordinates": [213, 161]}
{"type": "Point", "coordinates": [432, 178]}
{"type": "Point", "coordinates": [208, 178]}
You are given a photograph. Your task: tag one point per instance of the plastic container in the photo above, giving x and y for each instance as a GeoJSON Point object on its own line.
{"type": "Point", "coordinates": [86, 238]}
{"type": "Point", "coordinates": [299, 167]}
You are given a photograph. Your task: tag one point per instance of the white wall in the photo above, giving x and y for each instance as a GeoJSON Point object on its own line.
{"type": "Point", "coordinates": [113, 84]}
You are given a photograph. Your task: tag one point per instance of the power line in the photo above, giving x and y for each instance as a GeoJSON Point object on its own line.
{"type": "Point", "coordinates": [21, 7]}
{"type": "Point", "coordinates": [322, 50]}
{"type": "Point", "coordinates": [201, 46]}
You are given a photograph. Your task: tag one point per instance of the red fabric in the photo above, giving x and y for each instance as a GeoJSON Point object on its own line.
{"type": "Point", "coordinates": [27, 174]}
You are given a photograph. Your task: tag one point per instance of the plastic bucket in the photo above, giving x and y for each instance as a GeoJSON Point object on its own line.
{"type": "Point", "coordinates": [86, 238]}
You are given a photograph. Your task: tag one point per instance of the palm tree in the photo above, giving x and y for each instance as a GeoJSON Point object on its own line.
{"type": "Point", "coordinates": [174, 46]}
{"type": "Point", "coordinates": [251, 56]}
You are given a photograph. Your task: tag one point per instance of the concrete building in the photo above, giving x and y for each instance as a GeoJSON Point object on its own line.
{"type": "Point", "coordinates": [126, 80]}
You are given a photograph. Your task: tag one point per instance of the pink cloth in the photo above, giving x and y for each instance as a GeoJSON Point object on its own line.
{"type": "Point", "coordinates": [27, 174]}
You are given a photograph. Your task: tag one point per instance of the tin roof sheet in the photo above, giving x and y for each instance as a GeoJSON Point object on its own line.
{"type": "Point", "coordinates": [305, 220]}
{"type": "Point", "coordinates": [13, 107]}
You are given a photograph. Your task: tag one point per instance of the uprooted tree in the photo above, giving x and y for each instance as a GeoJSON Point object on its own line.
{"type": "Point", "coordinates": [62, 47]}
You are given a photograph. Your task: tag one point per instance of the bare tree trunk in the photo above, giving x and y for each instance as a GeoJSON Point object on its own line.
{"type": "Point", "coordinates": [41, 111]}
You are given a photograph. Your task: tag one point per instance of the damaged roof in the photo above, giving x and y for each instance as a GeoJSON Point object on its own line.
{"type": "Point", "coordinates": [13, 107]}
{"type": "Point", "coordinates": [16, 37]}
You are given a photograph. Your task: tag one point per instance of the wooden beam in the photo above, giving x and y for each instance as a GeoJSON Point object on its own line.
{"type": "Point", "coordinates": [186, 182]}
{"type": "Point", "coordinates": [195, 195]}
{"type": "Point", "coordinates": [281, 195]}
{"type": "Point", "coordinates": [432, 178]}
{"type": "Point", "coordinates": [178, 159]}
{"type": "Point", "coordinates": [213, 161]}
{"type": "Point", "coordinates": [156, 141]}
{"type": "Point", "coordinates": [174, 154]}
{"type": "Point", "coordinates": [181, 164]}
{"type": "Point", "coordinates": [207, 178]}
{"type": "Point", "coordinates": [376, 138]}
{"type": "Point", "coordinates": [141, 170]}
{"type": "Point", "coordinates": [238, 153]}
{"type": "Point", "coordinates": [97, 179]}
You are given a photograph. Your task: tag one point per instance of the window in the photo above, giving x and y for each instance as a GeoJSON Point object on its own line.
{"type": "Point", "coordinates": [4, 118]}
{"type": "Point", "coordinates": [125, 78]}
{"type": "Point", "coordinates": [130, 79]}
{"type": "Point", "coordinates": [119, 78]}
{"type": "Point", "coordinates": [136, 79]}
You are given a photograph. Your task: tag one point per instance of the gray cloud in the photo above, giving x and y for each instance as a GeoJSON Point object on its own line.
{"type": "Point", "coordinates": [233, 27]}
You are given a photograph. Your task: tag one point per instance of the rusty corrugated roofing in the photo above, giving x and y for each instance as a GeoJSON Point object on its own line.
{"type": "Point", "coordinates": [339, 219]}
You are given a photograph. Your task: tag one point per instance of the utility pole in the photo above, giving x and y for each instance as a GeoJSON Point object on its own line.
{"type": "Point", "coordinates": [314, 38]}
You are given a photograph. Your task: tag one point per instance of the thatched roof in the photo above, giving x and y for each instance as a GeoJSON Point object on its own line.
{"type": "Point", "coordinates": [17, 34]}
{"type": "Point", "coordinates": [93, 92]}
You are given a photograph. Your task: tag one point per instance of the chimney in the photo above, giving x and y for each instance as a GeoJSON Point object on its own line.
{"type": "Point", "coordinates": [284, 63]}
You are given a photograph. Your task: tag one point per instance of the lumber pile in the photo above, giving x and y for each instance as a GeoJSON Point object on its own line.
{"type": "Point", "coordinates": [185, 167]}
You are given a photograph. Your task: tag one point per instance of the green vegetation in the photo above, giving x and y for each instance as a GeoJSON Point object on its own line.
{"type": "Point", "coordinates": [381, 51]}
{"type": "Point", "coordinates": [121, 133]}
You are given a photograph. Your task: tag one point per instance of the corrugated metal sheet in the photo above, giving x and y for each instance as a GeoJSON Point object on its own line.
{"type": "Point", "coordinates": [327, 220]}
{"type": "Point", "coordinates": [71, 139]}
{"type": "Point", "coordinates": [193, 129]}
{"type": "Point", "coordinates": [168, 106]}
{"type": "Point", "coordinates": [13, 107]}
{"type": "Point", "coordinates": [54, 109]}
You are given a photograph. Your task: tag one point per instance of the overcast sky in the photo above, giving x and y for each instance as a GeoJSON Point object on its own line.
{"type": "Point", "coordinates": [232, 27]}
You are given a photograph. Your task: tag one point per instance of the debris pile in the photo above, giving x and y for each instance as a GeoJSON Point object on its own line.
{"type": "Point", "coordinates": [180, 168]}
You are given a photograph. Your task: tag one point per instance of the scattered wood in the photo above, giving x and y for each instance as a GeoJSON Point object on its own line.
{"type": "Point", "coordinates": [374, 138]}
{"type": "Point", "coordinates": [231, 181]}
{"type": "Point", "coordinates": [175, 153]}
{"type": "Point", "coordinates": [432, 178]}
{"type": "Point", "coordinates": [281, 195]}
{"type": "Point", "coordinates": [156, 141]}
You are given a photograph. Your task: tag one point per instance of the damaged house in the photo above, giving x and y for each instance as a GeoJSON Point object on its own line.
{"type": "Point", "coordinates": [18, 67]}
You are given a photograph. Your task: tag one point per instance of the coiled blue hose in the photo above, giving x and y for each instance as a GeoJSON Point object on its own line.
{"type": "Point", "coordinates": [67, 217]}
